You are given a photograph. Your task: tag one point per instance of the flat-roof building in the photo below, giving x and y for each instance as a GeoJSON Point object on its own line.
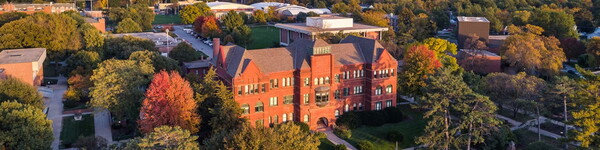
{"type": "Point", "coordinates": [33, 8]}
{"type": "Point", "coordinates": [468, 26]}
{"type": "Point", "coordinates": [331, 24]}
{"type": "Point", "coordinates": [222, 8]}
{"type": "Point", "coordinates": [479, 61]}
{"type": "Point", "coordinates": [24, 64]}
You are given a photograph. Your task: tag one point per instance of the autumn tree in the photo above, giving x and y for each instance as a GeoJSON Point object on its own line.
{"type": "Point", "coordinates": [158, 61]}
{"type": "Point", "coordinates": [23, 126]}
{"type": "Point", "coordinates": [128, 26]}
{"type": "Point", "coordinates": [191, 12]}
{"type": "Point", "coordinates": [79, 87]}
{"type": "Point", "coordinates": [11, 16]}
{"type": "Point", "coordinates": [210, 28]}
{"type": "Point", "coordinates": [419, 64]}
{"type": "Point", "coordinates": [572, 47]}
{"type": "Point", "coordinates": [593, 49]}
{"type": "Point", "coordinates": [528, 51]}
{"type": "Point", "coordinates": [169, 101]}
{"type": "Point", "coordinates": [585, 116]}
{"type": "Point", "coordinates": [283, 136]}
{"type": "Point", "coordinates": [19, 91]}
{"type": "Point", "coordinates": [259, 17]}
{"type": "Point", "coordinates": [375, 18]}
{"type": "Point", "coordinates": [118, 86]}
{"type": "Point", "coordinates": [443, 49]}
{"type": "Point", "coordinates": [165, 137]}
{"type": "Point", "coordinates": [510, 90]}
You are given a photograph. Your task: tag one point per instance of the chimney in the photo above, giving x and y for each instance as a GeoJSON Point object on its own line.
{"type": "Point", "coordinates": [216, 48]}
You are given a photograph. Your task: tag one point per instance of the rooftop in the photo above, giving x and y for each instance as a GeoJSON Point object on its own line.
{"type": "Point", "coordinates": [14, 56]}
{"type": "Point", "coordinates": [471, 19]}
{"type": "Point", "coordinates": [303, 28]}
{"type": "Point", "coordinates": [479, 52]}
{"type": "Point", "coordinates": [158, 38]}
{"type": "Point", "coordinates": [498, 37]}
{"type": "Point", "coordinates": [197, 64]}
{"type": "Point", "coordinates": [227, 5]}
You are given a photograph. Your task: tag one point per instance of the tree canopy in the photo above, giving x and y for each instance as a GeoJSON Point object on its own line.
{"type": "Point", "coordinates": [189, 13]}
{"type": "Point", "coordinates": [165, 137]}
{"type": "Point", "coordinates": [184, 52]}
{"type": "Point", "coordinates": [158, 61]}
{"type": "Point", "coordinates": [122, 47]}
{"type": "Point", "coordinates": [19, 91]}
{"type": "Point", "coordinates": [419, 64]}
{"type": "Point", "coordinates": [285, 136]}
{"type": "Point", "coordinates": [139, 13]}
{"type": "Point", "coordinates": [128, 26]}
{"type": "Point", "coordinates": [83, 61]}
{"type": "Point", "coordinates": [23, 126]}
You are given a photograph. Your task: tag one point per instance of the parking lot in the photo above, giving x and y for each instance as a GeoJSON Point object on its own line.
{"type": "Point", "coordinates": [196, 43]}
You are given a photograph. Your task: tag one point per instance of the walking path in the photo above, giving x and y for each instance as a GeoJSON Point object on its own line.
{"type": "Point", "coordinates": [336, 140]}
{"type": "Point", "coordinates": [102, 125]}
{"type": "Point", "coordinates": [55, 107]}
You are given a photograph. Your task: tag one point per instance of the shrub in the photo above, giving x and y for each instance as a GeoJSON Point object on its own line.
{"type": "Point", "coordinates": [395, 136]}
{"type": "Point", "coordinates": [342, 131]}
{"type": "Point", "coordinates": [340, 147]}
{"type": "Point", "coordinates": [351, 120]}
{"type": "Point", "coordinates": [394, 114]}
{"type": "Point", "coordinates": [365, 145]}
{"type": "Point", "coordinates": [303, 126]}
{"type": "Point", "coordinates": [374, 118]}
{"type": "Point", "coordinates": [68, 104]}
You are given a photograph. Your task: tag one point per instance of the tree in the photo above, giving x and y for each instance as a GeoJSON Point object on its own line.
{"type": "Point", "coordinates": [530, 52]}
{"type": "Point", "coordinates": [92, 39]}
{"type": "Point", "coordinates": [191, 12]}
{"type": "Point", "coordinates": [139, 13]}
{"type": "Point", "coordinates": [19, 91]}
{"type": "Point", "coordinates": [118, 86]}
{"type": "Point", "coordinates": [122, 47]}
{"type": "Point", "coordinates": [79, 86]}
{"type": "Point", "coordinates": [19, 122]}
{"type": "Point", "coordinates": [242, 35]}
{"type": "Point", "coordinates": [259, 17]}
{"type": "Point", "coordinates": [420, 62]}
{"type": "Point", "coordinates": [285, 136]}
{"type": "Point", "coordinates": [91, 143]}
{"type": "Point", "coordinates": [505, 89]}
{"type": "Point", "coordinates": [211, 28]}
{"type": "Point", "coordinates": [423, 27]}
{"type": "Point", "coordinates": [86, 61]}
{"type": "Point", "coordinates": [593, 48]}
{"type": "Point", "coordinates": [165, 137]}
{"type": "Point", "coordinates": [572, 47]}
{"type": "Point", "coordinates": [184, 52]}
{"type": "Point", "coordinates": [555, 23]}
{"type": "Point", "coordinates": [232, 20]}
{"type": "Point", "coordinates": [169, 101]}
{"type": "Point", "coordinates": [11, 16]}
{"type": "Point", "coordinates": [585, 116]}
{"type": "Point", "coordinates": [375, 18]}
{"type": "Point", "coordinates": [158, 61]}
{"type": "Point", "coordinates": [442, 49]}
{"type": "Point", "coordinates": [340, 8]}
{"type": "Point", "coordinates": [128, 26]}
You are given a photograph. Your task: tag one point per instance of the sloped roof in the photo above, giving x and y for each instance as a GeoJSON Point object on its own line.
{"type": "Point", "coordinates": [297, 55]}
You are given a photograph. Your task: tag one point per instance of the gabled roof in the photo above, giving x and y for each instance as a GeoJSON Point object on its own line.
{"type": "Point", "coordinates": [297, 55]}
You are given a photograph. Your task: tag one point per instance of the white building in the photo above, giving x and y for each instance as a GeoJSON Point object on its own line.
{"type": "Point", "coordinates": [294, 10]}
{"type": "Point", "coordinates": [221, 8]}
{"type": "Point", "coordinates": [264, 6]}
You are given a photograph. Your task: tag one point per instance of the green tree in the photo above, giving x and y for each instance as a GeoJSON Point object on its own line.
{"type": "Point", "coordinates": [555, 23]}
{"type": "Point", "coordinates": [511, 90]}
{"type": "Point", "coordinates": [165, 137]}
{"type": "Point", "coordinates": [118, 86]}
{"type": "Point", "coordinates": [443, 49]}
{"type": "Point", "coordinates": [15, 89]}
{"type": "Point", "coordinates": [23, 126]}
{"type": "Point", "coordinates": [340, 8]}
{"type": "Point", "coordinates": [184, 52]}
{"type": "Point", "coordinates": [285, 136]}
{"type": "Point", "coordinates": [259, 17]}
{"type": "Point", "coordinates": [191, 12]}
{"type": "Point", "coordinates": [86, 61]}
{"type": "Point", "coordinates": [374, 18]}
{"type": "Point", "coordinates": [140, 14]}
{"type": "Point", "coordinates": [91, 37]}
{"type": "Point", "coordinates": [158, 61]}
{"type": "Point", "coordinates": [530, 52]}
{"type": "Point", "coordinates": [585, 116]}
{"type": "Point", "coordinates": [128, 26]}
{"type": "Point", "coordinates": [122, 47]}
{"type": "Point", "coordinates": [593, 48]}
{"type": "Point", "coordinates": [232, 20]}
{"type": "Point", "coordinates": [11, 16]}
{"type": "Point", "coordinates": [242, 35]}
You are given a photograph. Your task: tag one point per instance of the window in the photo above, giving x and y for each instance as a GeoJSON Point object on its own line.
{"type": "Point", "coordinates": [259, 107]}
{"type": "Point", "coordinates": [291, 117]}
{"type": "Point", "coordinates": [273, 101]}
{"type": "Point", "coordinates": [306, 81]}
{"type": "Point", "coordinates": [359, 106]}
{"type": "Point", "coordinates": [246, 108]}
{"type": "Point", "coordinates": [362, 73]}
{"type": "Point", "coordinates": [256, 88]}
{"type": "Point", "coordinates": [337, 113]}
{"type": "Point", "coordinates": [326, 80]}
{"type": "Point", "coordinates": [388, 103]}
{"type": "Point", "coordinates": [378, 90]}
{"type": "Point", "coordinates": [245, 89]}
{"type": "Point", "coordinates": [289, 82]}
{"type": "Point", "coordinates": [322, 97]}
{"type": "Point", "coordinates": [275, 119]}
{"type": "Point", "coordinates": [337, 94]}
{"type": "Point", "coordinates": [388, 89]}
{"type": "Point", "coordinates": [239, 90]}
{"type": "Point", "coordinates": [274, 83]}
{"type": "Point", "coordinates": [378, 106]}
{"type": "Point", "coordinates": [263, 88]}
{"type": "Point", "coordinates": [337, 78]}
{"type": "Point", "coordinates": [347, 75]}
{"type": "Point", "coordinates": [321, 80]}
{"type": "Point", "coordinates": [358, 90]}
{"type": "Point", "coordinates": [354, 106]}
{"type": "Point", "coordinates": [346, 108]}
{"type": "Point", "coordinates": [343, 75]}
{"type": "Point", "coordinates": [306, 99]}
{"type": "Point", "coordinates": [306, 118]}
{"type": "Point", "coordinates": [354, 75]}
{"type": "Point", "coordinates": [346, 91]}
{"type": "Point", "coordinates": [284, 117]}
{"type": "Point", "coordinates": [316, 81]}
{"type": "Point", "coordinates": [288, 99]}
{"type": "Point", "coordinates": [392, 72]}
{"type": "Point", "coordinates": [283, 82]}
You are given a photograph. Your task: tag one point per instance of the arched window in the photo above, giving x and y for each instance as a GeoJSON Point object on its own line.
{"type": "Point", "coordinates": [388, 89]}
{"type": "Point", "coordinates": [346, 108]}
{"type": "Point", "coordinates": [306, 118]}
{"type": "Point", "coordinates": [354, 106]}
{"type": "Point", "coordinates": [259, 107]}
{"type": "Point", "coordinates": [327, 80]}
{"type": "Point", "coordinates": [337, 113]}
{"type": "Point", "coordinates": [275, 119]}
{"type": "Point", "coordinates": [284, 117]}
{"type": "Point", "coordinates": [321, 80]}
{"type": "Point", "coordinates": [246, 108]}
{"type": "Point", "coordinates": [378, 90]}
{"type": "Point", "coordinates": [359, 106]}
{"type": "Point", "coordinates": [291, 118]}
{"type": "Point", "coordinates": [316, 81]}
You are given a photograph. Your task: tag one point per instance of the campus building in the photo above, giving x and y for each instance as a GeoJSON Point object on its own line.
{"type": "Point", "coordinates": [24, 64]}
{"type": "Point", "coordinates": [290, 32]}
{"type": "Point", "coordinates": [164, 42]}
{"type": "Point", "coordinates": [98, 23]}
{"type": "Point", "coordinates": [468, 26]}
{"type": "Point", "coordinates": [33, 8]}
{"type": "Point", "coordinates": [222, 8]}
{"type": "Point", "coordinates": [308, 81]}
{"type": "Point", "coordinates": [479, 61]}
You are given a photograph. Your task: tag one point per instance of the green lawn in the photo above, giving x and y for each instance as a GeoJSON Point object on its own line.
{"type": "Point", "coordinates": [526, 137]}
{"type": "Point", "coordinates": [167, 19]}
{"type": "Point", "coordinates": [264, 37]}
{"type": "Point", "coordinates": [326, 144]}
{"type": "Point", "coordinates": [72, 129]}
{"type": "Point", "coordinates": [410, 129]}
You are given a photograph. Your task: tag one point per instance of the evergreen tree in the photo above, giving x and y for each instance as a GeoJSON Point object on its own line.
{"type": "Point", "coordinates": [15, 89]}
{"type": "Point", "coordinates": [23, 126]}
{"type": "Point", "coordinates": [587, 98]}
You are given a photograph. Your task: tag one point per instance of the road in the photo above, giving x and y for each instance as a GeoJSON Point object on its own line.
{"type": "Point", "coordinates": [196, 43]}
{"type": "Point", "coordinates": [55, 105]}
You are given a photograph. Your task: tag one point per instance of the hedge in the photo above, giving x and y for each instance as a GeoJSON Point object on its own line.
{"type": "Point", "coordinates": [356, 119]}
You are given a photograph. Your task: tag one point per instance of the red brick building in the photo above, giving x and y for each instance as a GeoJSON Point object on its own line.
{"type": "Point", "coordinates": [33, 8]}
{"type": "Point", "coordinates": [24, 64]}
{"type": "Point", "coordinates": [479, 61]}
{"type": "Point", "coordinates": [308, 81]}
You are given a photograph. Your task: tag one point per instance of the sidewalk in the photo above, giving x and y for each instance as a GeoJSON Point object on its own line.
{"type": "Point", "coordinates": [102, 125]}
{"type": "Point", "coordinates": [55, 108]}
{"type": "Point", "coordinates": [336, 140]}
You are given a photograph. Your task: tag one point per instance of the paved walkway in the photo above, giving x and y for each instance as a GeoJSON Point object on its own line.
{"type": "Point", "coordinates": [55, 108]}
{"type": "Point", "coordinates": [102, 125]}
{"type": "Point", "coordinates": [336, 140]}
{"type": "Point", "coordinates": [196, 43]}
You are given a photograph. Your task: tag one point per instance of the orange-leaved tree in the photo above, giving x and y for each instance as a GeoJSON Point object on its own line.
{"type": "Point", "coordinates": [169, 101]}
{"type": "Point", "coordinates": [419, 63]}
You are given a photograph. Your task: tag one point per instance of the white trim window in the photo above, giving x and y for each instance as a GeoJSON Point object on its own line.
{"type": "Point", "coordinates": [273, 101]}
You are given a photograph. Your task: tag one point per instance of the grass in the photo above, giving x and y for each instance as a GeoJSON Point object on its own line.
{"type": "Point", "coordinates": [410, 129]}
{"type": "Point", "coordinates": [326, 144]}
{"type": "Point", "coordinates": [73, 129]}
{"type": "Point", "coordinates": [167, 19]}
{"type": "Point", "coordinates": [51, 70]}
{"type": "Point", "coordinates": [264, 37]}
{"type": "Point", "coordinates": [525, 137]}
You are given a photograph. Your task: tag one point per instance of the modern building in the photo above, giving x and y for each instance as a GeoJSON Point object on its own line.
{"type": "Point", "coordinates": [479, 61]}
{"type": "Point", "coordinates": [221, 8]}
{"type": "Point", "coordinates": [24, 64]}
{"type": "Point", "coordinates": [265, 6]}
{"type": "Point", "coordinates": [98, 23]}
{"type": "Point", "coordinates": [33, 8]}
{"type": "Point", "coordinates": [308, 81]}
{"type": "Point", "coordinates": [163, 41]}
{"type": "Point", "coordinates": [294, 10]}
{"type": "Point", "coordinates": [468, 26]}
{"type": "Point", "coordinates": [290, 32]}
{"type": "Point", "coordinates": [495, 42]}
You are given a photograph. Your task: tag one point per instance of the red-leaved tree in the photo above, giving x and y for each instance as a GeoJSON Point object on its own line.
{"type": "Point", "coordinates": [169, 101]}
{"type": "Point", "coordinates": [419, 64]}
